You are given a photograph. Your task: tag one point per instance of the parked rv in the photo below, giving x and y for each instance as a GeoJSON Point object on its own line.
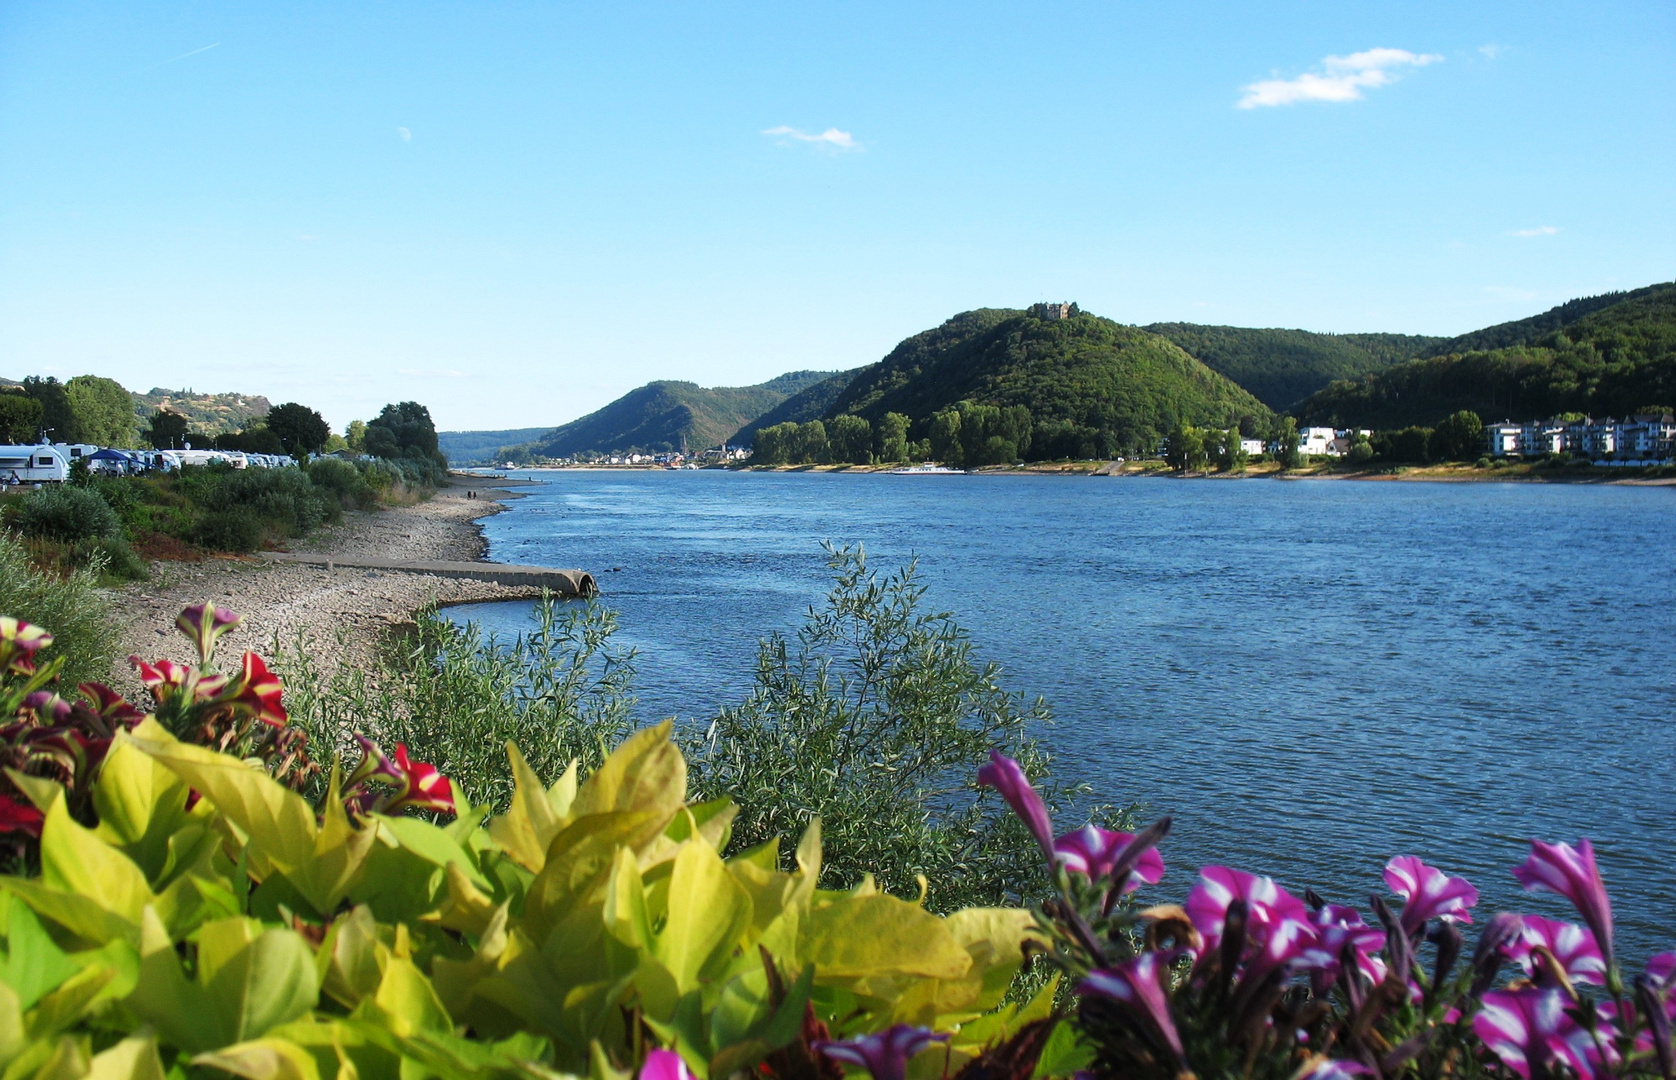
{"type": "Point", "coordinates": [33, 465]}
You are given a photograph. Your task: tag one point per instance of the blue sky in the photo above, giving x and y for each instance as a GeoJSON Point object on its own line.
{"type": "Point", "coordinates": [516, 212]}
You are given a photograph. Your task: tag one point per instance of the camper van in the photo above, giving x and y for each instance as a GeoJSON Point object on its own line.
{"type": "Point", "coordinates": [33, 465]}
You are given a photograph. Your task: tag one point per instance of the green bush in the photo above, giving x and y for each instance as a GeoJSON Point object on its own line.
{"type": "Point", "coordinates": [874, 721]}
{"type": "Point", "coordinates": [84, 630]}
{"type": "Point", "coordinates": [235, 529]}
{"type": "Point", "coordinates": [344, 481]}
{"type": "Point", "coordinates": [67, 513]}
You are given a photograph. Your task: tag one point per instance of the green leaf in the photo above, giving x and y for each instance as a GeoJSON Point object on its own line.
{"type": "Point", "coordinates": [33, 964]}
{"type": "Point", "coordinates": [708, 912]}
{"type": "Point", "coordinates": [1064, 1054]}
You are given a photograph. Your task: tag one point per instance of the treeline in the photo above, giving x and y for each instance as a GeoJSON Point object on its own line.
{"type": "Point", "coordinates": [966, 436]}
{"type": "Point", "coordinates": [1613, 362]}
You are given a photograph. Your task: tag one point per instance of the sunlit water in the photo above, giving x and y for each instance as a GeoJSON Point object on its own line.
{"type": "Point", "coordinates": [1309, 676]}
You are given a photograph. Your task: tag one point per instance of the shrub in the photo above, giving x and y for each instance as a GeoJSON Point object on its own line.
{"type": "Point", "coordinates": [873, 722]}
{"type": "Point", "coordinates": [67, 513]}
{"type": "Point", "coordinates": [455, 697]}
{"type": "Point", "coordinates": [85, 637]}
{"type": "Point", "coordinates": [236, 529]}
{"type": "Point", "coordinates": [344, 481]}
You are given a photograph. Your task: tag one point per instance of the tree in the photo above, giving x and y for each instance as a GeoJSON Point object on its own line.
{"type": "Point", "coordinates": [403, 430]}
{"type": "Point", "coordinates": [1287, 451]}
{"type": "Point", "coordinates": [810, 444]}
{"type": "Point", "coordinates": [945, 437]}
{"type": "Point", "coordinates": [167, 430]}
{"type": "Point", "coordinates": [1185, 449]}
{"type": "Point", "coordinates": [1460, 437]}
{"type": "Point", "coordinates": [355, 435]}
{"type": "Point", "coordinates": [256, 439]}
{"type": "Point", "coordinates": [103, 411]}
{"type": "Point", "coordinates": [1230, 454]}
{"type": "Point", "coordinates": [892, 434]}
{"type": "Point", "coordinates": [20, 417]}
{"type": "Point", "coordinates": [301, 430]}
{"type": "Point", "coordinates": [58, 421]}
{"type": "Point", "coordinates": [851, 440]}
{"type": "Point", "coordinates": [768, 447]}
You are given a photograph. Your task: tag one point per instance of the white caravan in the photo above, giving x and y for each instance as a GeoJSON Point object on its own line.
{"type": "Point", "coordinates": [33, 465]}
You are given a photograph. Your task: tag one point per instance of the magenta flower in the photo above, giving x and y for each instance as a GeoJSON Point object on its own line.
{"type": "Point", "coordinates": [1529, 1028]}
{"type": "Point", "coordinates": [1003, 774]}
{"type": "Point", "coordinates": [1092, 852]}
{"type": "Point", "coordinates": [382, 785]}
{"type": "Point", "coordinates": [1571, 872]}
{"type": "Point", "coordinates": [1428, 893]}
{"type": "Point", "coordinates": [1335, 927]}
{"type": "Point", "coordinates": [1278, 924]}
{"type": "Point", "coordinates": [203, 624]}
{"type": "Point", "coordinates": [1661, 969]}
{"type": "Point", "coordinates": [108, 705]}
{"type": "Point", "coordinates": [1138, 986]}
{"type": "Point", "coordinates": [19, 641]}
{"type": "Point", "coordinates": [884, 1055]}
{"type": "Point", "coordinates": [1573, 946]}
{"type": "Point", "coordinates": [664, 1065]}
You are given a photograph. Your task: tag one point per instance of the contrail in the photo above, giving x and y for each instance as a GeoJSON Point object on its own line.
{"type": "Point", "coordinates": [184, 55]}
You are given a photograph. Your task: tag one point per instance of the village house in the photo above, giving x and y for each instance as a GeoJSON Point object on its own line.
{"type": "Point", "coordinates": [1642, 438]}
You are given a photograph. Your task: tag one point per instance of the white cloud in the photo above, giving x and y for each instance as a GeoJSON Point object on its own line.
{"type": "Point", "coordinates": [1340, 78]}
{"type": "Point", "coordinates": [1540, 230]}
{"type": "Point", "coordinates": [407, 136]}
{"type": "Point", "coordinates": [1490, 51]}
{"type": "Point", "coordinates": [832, 137]}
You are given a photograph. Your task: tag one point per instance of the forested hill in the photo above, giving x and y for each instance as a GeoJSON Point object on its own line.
{"type": "Point", "coordinates": [666, 416]}
{"type": "Point", "coordinates": [1093, 387]}
{"type": "Point", "coordinates": [211, 414]}
{"type": "Point", "coordinates": [482, 447]}
{"type": "Point", "coordinates": [1282, 367]}
{"type": "Point", "coordinates": [811, 403]}
{"type": "Point", "coordinates": [1526, 331]}
{"type": "Point", "coordinates": [1613, 361]}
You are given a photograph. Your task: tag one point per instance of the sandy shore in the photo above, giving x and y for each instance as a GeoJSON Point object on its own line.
{"type": "Point", "coordinates": [316, 605]}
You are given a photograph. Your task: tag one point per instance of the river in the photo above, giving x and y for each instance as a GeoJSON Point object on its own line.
{"type": "Point", "coordinates": [1310, 676]}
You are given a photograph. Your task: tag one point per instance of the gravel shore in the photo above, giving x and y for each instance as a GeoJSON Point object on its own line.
{"type": "Point", "coordinates": [315, 605]}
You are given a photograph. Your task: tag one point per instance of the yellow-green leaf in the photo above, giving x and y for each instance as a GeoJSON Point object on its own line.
{"type": "Point", "coordinates": [708, 914]}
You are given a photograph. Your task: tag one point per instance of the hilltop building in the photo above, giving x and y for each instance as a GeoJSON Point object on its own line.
{"type": "Point", "coordinates": [1054, 312]}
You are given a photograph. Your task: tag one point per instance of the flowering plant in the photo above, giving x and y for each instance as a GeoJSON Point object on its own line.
{"type": "Point", "coordinates": [1245, 979]}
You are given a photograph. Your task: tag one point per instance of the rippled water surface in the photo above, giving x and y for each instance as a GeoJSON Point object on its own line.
{"type": "Point", "coordinates": [1310, 676]}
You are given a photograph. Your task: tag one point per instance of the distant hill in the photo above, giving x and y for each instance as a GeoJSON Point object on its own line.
{"type": "Point", "coordinates": [1094, 387]}
{"type": "Point", "coordinates": [1611, 361]}
{"type": "Point", "coordinates": [1282, 367]}
{"type": "Point", "coordinates": [211, 414]}
{"type": "Point", "coordinates": [811, 403]}
{"type": "Point", "coordinates": [479, 447]}
{"type": "Point", "coordinates": [1525, 331]}
{"type": "Point", "coordinates": [666, 416]}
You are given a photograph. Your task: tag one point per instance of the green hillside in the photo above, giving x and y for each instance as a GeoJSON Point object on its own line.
{"type": "Point", "coordinates": [1526, 331]}
{"type": "Point", "coordinates": [811, 403]}
{"type": "Point", "coordinates": [211, 414]}
{"type": "Point", "coordinates": [480, 447]}
{"type": "Point", "coordinates": [1093, 387]}
{"type": "Point", "coordinates": [1613, 361]}
{"type": "Point", "coordinates": [665, 416]}
{"type": "Point", "coordinates": [1282, 367]}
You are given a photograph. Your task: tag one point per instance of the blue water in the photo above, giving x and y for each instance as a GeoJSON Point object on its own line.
{"type": "Point", "coordinates": [1309, 676]}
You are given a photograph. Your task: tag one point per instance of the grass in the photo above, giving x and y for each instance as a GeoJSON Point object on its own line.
{"type": "Point", "coordinates": [70, 605]}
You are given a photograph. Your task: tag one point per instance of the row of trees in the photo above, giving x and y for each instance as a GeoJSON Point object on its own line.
{"type": "Point", "coordinates": [86, 409]}
{"type": "Point", "coordinates": [1192, 449]}
{"type": "Point", "coordinates": [847, 440]}
{"type": "Point", "coordinates": [99, 411]}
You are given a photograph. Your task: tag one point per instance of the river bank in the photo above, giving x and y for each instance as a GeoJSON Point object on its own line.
{"type": "Point", "coordinates": [339, 614]}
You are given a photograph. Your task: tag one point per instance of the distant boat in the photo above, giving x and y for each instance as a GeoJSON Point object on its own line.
{"type": "Point", "coordinates": [926, 469]}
